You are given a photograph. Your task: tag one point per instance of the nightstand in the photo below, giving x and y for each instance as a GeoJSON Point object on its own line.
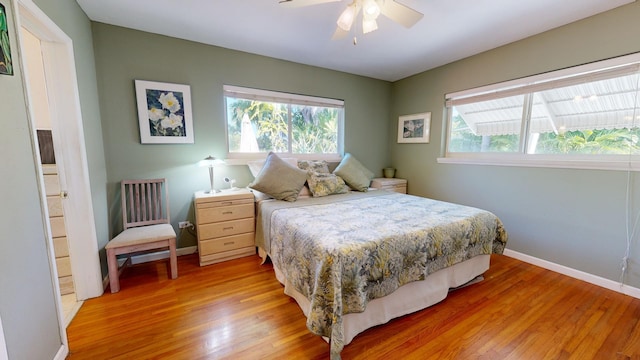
{"type": "Point", "coordinates": [390, 184]}
{"type": "Point", "coordinates": [225, 223]}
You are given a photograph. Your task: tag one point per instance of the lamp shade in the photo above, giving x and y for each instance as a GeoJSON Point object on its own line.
{"type": "Point", "coordinates": [369, 26]}
{"type": "Point", "coordinates": [347, 17]}
{"type": "Point", "coordinates": [210, 161]}
{"type": "Point", "coordinates": [371, 9]}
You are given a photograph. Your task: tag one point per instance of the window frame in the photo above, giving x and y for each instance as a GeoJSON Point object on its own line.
{"type": "Point", "coordinates": [529, 85]}
{"type": "Point", "coordinates": [282, 98]}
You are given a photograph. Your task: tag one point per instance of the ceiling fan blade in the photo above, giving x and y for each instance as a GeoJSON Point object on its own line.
{"type": "Point", "coordinates": [301, 3]}
{"type": "Point", "coordinates": [339, 34]}
{"type": "Point", "coordinates": [400, 13]}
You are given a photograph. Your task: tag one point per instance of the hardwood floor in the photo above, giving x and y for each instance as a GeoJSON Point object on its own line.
{"type": "Point", "coordinates": [237, 310]}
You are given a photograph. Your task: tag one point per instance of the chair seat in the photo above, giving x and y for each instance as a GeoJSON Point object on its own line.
{"type": "Point", "coordinates": [142, 235]}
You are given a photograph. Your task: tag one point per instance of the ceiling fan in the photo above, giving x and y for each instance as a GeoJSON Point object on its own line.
{"type": "Point", "coordinates": [371, 9]}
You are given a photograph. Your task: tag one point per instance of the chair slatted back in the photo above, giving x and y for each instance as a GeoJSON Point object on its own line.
{"type": "Point", "coordinates": [144, 202]}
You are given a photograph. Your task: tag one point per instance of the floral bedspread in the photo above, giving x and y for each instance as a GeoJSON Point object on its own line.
{"type": "Point", "coordinates": [341, 251]}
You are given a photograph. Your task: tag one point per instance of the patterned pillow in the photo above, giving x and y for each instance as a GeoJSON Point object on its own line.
{"type": "Point", "coordinates": [323, 184]}
{"type": "Point", "coordinates": [279, 179]}
{"type": "Point", "coordinates": [319, 166]}
{"type": "Point", "coordinates": [354, 173]}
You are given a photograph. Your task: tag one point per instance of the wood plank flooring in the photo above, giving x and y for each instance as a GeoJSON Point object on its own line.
{"type": "Point", "coordinates": [237, 310]}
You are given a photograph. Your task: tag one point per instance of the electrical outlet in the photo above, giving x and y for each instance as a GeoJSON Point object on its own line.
{"type": "Point", "coordinates": [184, 224]}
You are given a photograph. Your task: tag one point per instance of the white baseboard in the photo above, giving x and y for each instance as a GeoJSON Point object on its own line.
{"type": "Point", "coordinates": [139, 259]}
{"type": "Point", "coordinates": [576, 274]}
{"type": "Point", "coordinates": [62, 353]}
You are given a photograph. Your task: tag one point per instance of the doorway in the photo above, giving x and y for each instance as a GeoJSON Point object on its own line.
{"type": "Point", "coordinates": [54, 183]}
{"type": "Point", "coordinates": [61, 87]}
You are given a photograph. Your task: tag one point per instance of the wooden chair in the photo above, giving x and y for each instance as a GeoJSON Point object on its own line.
{"type": "Point", "coordinates": [146, 225]}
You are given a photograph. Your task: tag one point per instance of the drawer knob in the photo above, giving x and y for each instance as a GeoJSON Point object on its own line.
{"type": "Point", "coordinates": [229, 243]}
{"type": "Point", "coordinates": [227, 213]}
{"type": "Point", "coordinates": [228, 228]}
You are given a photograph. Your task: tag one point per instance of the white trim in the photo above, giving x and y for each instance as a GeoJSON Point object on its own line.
{"type": "Point", "coordinates": [261, 156]}
{"type": "Point", "coordinates": [64, 99]}
{"type": "Point", "coordinates": [3, 344]}
{"type": "Point", "coordinates": [72, 312]}
{"type": "Point", "coordinates": [616, 163]}
{"type": "Point", "coordinates": [27, 12]}
{"type": "Point", "coordinates": [277, 96]}
{"type": "Point", "coordinates": [576, 274]}
{"type": "Point", "coordinates": [62, 353]}
{"type": "Point", "coordinates": [595, 66]}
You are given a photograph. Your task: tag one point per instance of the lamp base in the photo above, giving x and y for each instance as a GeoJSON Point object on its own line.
{"type": "Point", "coordinates": [212, 191]}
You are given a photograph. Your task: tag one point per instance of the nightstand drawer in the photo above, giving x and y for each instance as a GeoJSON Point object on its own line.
{"type": "Point", "coordinates": [214, 202]}
{"type": "Point", "coordinates": [227, 243]}
{"type": "Point", "coordinates": [226, 255]}
{"type": "Point", "coordinates": [225, 228]}
{"type": "Point", "coordinates": [224, 213]}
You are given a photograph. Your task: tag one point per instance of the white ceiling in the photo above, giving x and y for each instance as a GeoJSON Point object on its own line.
{"type": "Point", "coordinates": [450, 30]}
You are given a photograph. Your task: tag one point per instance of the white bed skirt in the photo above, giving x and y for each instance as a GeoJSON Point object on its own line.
{"type": "Point", "coordinates": [407, 299]}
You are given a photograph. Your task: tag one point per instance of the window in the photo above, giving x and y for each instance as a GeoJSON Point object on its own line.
{"type": "Point", "coordinates": [260, 121]}
{"type": "Point", "coordinates": [586, 113]}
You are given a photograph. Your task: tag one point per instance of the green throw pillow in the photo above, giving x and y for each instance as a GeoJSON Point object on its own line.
{"type": "Point", "coordinates": [354, 173]}
{"type": "Point", "coordinates": [279, 179]}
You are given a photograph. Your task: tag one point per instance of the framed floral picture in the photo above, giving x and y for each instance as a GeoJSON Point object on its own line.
{"type": "Point", "coordinates": [6, 66]}
{"type": "Point", "coordinates": [164, 113]}
{"type": "Point", "coordinates": [414, 128]}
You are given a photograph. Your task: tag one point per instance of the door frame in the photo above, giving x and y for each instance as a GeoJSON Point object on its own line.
{"type": "Point", "coordinates": [66, 118]}
{"type": "Point", "coordinates": [3, 344]}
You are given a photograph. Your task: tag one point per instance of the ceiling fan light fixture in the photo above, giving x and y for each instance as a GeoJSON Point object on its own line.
{"type": "Point", "coordinates": [346, 18]}
{"type": "Point", "coordinates": [369, 25]}
{"type": "Point", "coordinates": [371, 9]}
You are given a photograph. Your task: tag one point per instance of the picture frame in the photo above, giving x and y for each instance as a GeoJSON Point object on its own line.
{"type": "Point", "coordinates": [6, 65]}
{"type": "Point", "coordinates": [164, 112]}
{"type": "Point", "coordinates": [414, 128]}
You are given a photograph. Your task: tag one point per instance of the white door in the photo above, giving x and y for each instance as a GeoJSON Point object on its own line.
{"type": "Point", "coordinates": [64, 104]}
{"type": "Point", "coordinates": [55, 185]}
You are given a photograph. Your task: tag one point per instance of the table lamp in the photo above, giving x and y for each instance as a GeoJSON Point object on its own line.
{"type": "Point", "coordinates": [210, 162]}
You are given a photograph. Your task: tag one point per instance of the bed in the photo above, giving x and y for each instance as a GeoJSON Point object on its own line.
{"type": "Point", "coordinates": [358, 259]}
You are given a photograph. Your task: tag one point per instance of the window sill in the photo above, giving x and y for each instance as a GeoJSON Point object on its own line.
{"type": "Point", "coordinates": [244, 159]}
{"type": "Point", "coordinates": [616, 163]}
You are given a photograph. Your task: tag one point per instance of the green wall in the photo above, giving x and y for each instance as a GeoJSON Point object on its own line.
{"type": "Point", "coordinates": [575, 218]}
{"type": "Point", "coordinates": [27, 303]}
{"type": "Point", "coordinates": [27, 300]}
{"type": "Point", "coordinates": [124, 55]}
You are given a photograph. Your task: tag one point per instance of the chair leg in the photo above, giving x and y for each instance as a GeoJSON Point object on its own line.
{"type": "Point", "coordinates": [173, 259]}
{"type": "Point", "coordinates": [112, 264]}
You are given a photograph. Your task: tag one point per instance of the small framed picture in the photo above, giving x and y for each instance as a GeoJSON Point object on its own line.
{"type": "Point", "coordinates": [164, 113]}
{"type": "Point", "coordinates": [414, 128]}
